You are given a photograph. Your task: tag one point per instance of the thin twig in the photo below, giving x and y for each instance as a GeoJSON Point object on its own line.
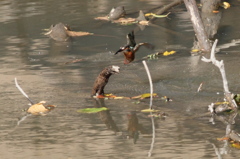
{"type": "Point", "coordinates": [150, 82]}
{"type": "Point", "coordinates": [21, 90]}
{"type": "Point", "coordinates": [150, 107]}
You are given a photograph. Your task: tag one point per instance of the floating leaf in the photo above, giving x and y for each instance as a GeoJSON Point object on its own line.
{"type": "Point", "coordinates": [215, 11]}
{"type": "Point", "coordinates": [110, 96]}
{"type": "Point", "coordinates": [145, 95]}
{"type": "Point", "coordinates": [149, 110]}
{"type": "Point", "coordinates": [195, 50]}
{"type": "Point", "coordinates": [219, 103]}
{"type": "Point", "coordinates": [235, 145]}
{"type": "Point", "coordinates": [92, 110]}
{"type": "Point", "coordinates": [156, 15]}
{"type": "Point", "coordinates": [226, 5]}
{"type": "Point", "coordinates": [102, 18]}
{"type": "Point", "coordinates": [40, 108]}
{"type": "Point", "coordinates": [167, 53]}
{"type": "Point", "coordinates": [223, 138]}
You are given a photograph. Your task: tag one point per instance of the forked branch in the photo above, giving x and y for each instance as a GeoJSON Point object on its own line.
{"type": "Point", "coordinates": [220, 65]}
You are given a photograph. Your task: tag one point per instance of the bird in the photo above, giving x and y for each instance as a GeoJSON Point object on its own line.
{"type": "Point", "coordinates": [102, 80]}
{"type": "Point", "coordinates": [131, 48]}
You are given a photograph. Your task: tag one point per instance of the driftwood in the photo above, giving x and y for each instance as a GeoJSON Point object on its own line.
{"type": "Point", "coordinates": [198, 25]}
{"type": "Point", "coordinates": [220, 65]}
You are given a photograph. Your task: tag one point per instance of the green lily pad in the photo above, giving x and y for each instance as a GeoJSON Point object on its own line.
{"type": "Point", "coordinates": [92, 110]}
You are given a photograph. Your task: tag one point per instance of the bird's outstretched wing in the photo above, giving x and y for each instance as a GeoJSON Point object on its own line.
{"type": "Point", "coordinates": [147, 45]}
{"type": "Point", "coordinates": [131, 39]}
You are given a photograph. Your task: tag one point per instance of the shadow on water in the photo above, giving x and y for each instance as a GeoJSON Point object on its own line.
{"type": "Point", "coordinates": [123, 131]}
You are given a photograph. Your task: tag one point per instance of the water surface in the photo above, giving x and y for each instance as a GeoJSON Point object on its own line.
{"type": "Point", "coordinates": [38, 63]}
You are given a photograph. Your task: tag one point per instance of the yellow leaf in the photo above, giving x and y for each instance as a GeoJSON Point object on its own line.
{"type": "Point", "coordinates": [156, 15]}
{"type": "Point", "coordinates": [108, 94]}
{"type": "Point", "coordinates": [226, 5]}
{"type": "Point", "coordinates": [236, 145]}
{"type": "Point", "coordinates": [145, 95]}
{"type": "Point", "coordinates": [120, 97]}
{"type": "Point", "coordinates": [149, 110]}
{"type": "Point", "coordinates": [149, 14]}
{"type": "Point", "coordinates": [167, 53]}
{"type": "Point", "coordinates": [195, 50]}
{"type": "Point", "coordinates": [219, 103]}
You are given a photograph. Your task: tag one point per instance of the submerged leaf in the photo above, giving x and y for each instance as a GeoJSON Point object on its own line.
{"type": "Point", "coordinates": [167, 53]}
{"type": "Point", "coordinates": [149, 110]}
{"type": "Point", "coordinates": [92, 110]}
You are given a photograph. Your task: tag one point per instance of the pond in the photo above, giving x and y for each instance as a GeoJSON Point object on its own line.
{"type": "Point", "coordinates": [39, 64]}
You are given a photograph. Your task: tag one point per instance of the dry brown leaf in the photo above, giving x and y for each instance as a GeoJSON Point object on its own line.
{"type": "Point", "coordinates": [40, 109]}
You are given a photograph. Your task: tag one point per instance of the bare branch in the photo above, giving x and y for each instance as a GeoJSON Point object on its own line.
{"type": "Point", "coordinates": [221, 67]}
{"type": "Point", "coordinates": [150, 82]}
{"type": "Point", "coordinates": [219, 64]}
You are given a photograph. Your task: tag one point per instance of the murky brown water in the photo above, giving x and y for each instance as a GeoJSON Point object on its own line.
{"type": "Point", "coordinates": [38, 63]}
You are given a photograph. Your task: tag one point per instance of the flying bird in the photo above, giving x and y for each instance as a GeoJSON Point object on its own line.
{"type": "Point", "coordinates": [131, 48]}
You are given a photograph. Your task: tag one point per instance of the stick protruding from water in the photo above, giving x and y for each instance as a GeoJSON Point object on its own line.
{"type": "Point", "coordinates": [150, 82]}
{"type": "Point", "coordinates": [21, 90]}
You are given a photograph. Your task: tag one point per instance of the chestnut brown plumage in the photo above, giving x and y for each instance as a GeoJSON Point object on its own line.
{"type": "Point", "coordinates": [131, 48]}
{"type": "Point", "coordinates": [102, 79]}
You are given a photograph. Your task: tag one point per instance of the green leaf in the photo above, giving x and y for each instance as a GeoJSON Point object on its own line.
{"type": "Point", "coordinates": [149, 110]}
{"type": "Point", "coordinates": [145, 95]}
{"type": "Point", "coordinates": [92, 110]}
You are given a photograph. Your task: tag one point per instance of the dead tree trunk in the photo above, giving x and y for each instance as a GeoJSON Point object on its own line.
{"type": "Point", "coordinates": [198, 25]}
